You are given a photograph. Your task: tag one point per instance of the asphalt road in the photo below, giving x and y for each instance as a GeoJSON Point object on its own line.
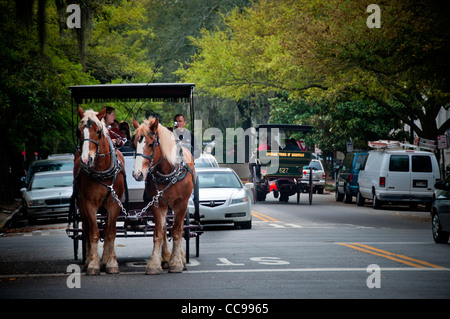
{"type": "Point", "coordinates": [326, 250]}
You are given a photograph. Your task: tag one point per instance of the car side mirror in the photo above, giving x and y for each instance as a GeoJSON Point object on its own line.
{"type": "Point", "coordinates": [249, 185]}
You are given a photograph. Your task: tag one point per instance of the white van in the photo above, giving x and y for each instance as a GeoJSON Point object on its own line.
{"type": "Point", "coordinates": [398, 176]}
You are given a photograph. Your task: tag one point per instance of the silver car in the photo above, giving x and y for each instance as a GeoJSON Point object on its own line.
{"type": "Point", "coordinates": [48, 195]}
{"type": "Point", "coordinates": [318, 175]}
{"type": "Point", "coordinates": [223, 198]}
{"type": "Point", "coordinates": [206, 160]}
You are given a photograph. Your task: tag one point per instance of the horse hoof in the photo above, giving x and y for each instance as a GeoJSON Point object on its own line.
{"type": "Point", "coordinates": [176, 269]}
{"type": "Point", "coordinates": [112, 270]}
{"type": "Point", "coordinates": [153, 271]}
{"type": "Point", "coordinates": [165, 265]}
{"type": "Point", "coordinates": [92, 272]}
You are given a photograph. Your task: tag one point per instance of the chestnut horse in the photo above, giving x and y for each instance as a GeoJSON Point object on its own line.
{"type": "Point", "coordinates": [99, 181]}
{"type": "Point", "coordinates": [168, 170]}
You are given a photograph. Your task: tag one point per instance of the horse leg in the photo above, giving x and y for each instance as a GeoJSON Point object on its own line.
{"type": "Point", "coordinates": [177, 261]}
{"type": "Point", "coordinates": [165, 255]}
{"type": "Point", "coordinates": [109, 261]}
{"type": "Point", "coordinates": [92, 259]}
{"type": "Point", "coordinates": [85, 228]}
{"type": "Point", "coordinates": [154, 264]}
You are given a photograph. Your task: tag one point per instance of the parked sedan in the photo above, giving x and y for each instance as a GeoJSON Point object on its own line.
{"type": "Point", "coordinates": [223, 198]}
{"type": "Point", "coordinates": [48, 195]}
{"type": "Point", "coordinates": [440, 212]}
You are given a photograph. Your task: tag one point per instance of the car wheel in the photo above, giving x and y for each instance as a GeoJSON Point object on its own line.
{"type": "Point", "coordinates": [347, 196]}
{"type": "Point", "coordinates": [244, 225]}
{"type": "Point", "coordinates": [284, 197]}
{"type": "Point", "coordinates": [260, 196]}
{"type": "Point", "coordinates": [339, 197]}
{"type": "Point", "coordinates": [359, 199]}
{"type": "Point", "coordinates": [439, 236]}
{"type": "Point", "coordinates": [376, 203]}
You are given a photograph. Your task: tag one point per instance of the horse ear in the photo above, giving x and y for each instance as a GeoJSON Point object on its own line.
{"type": "Point", "coordinates": [80, 112]}
{"type": "Point", "coordinates": [101, 114]}
{"type": "Point", "coordinates": [135, 123]}
{"type": "Point", "coordinates": [154, 125]}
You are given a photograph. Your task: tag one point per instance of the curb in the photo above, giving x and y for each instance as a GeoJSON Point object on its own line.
{"type": "Point", "coordinates": [6, 216]}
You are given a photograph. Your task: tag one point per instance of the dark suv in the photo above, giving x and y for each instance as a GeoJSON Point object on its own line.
{"type": "Point", "coordinates": [347, 179]}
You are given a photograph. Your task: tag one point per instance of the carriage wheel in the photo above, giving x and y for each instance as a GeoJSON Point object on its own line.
{"type": "Point", "coordinates": [311, 186]}
{"type": "Point", "coordinates": [254, 184]}
{"type": "Point", "coordinates": [74, 219]}
{"type": "Point", "coordinates": [197, 216]}
{"type": "Point", "coordinates": [196, 202]}
{"type": "Point", "coordinates": [75, 243]}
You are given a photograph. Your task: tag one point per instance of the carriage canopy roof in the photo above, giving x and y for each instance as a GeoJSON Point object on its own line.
{"type": "Point", "coordinates": [156, 92]}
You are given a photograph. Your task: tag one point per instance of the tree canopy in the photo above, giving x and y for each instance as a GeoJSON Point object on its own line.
{"type": "Point", "coordinates": [325, 52]}
{"type": "Point", "coordinates": [297, 61]}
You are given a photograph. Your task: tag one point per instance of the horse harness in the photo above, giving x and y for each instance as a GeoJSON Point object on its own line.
{"type": "Point", "coordinates": [99, 176]}
{"type": "Point", "coordinates": [155, 177]}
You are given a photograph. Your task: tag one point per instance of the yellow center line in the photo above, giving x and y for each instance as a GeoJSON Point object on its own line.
{"type": "Point", "coordinates": [264, 217]}
{"type": "Point", "coordinates": [401, 256]}
{"type": "Point", "coordinates": [389, 255]}
{"type": "Point", "coordinates": [381, 255]}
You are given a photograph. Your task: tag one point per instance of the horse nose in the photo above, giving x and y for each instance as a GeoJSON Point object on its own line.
{"type": "Point", "coordinates": [87, 160]}
{"type": "Point", "coordinates": [138, 176]}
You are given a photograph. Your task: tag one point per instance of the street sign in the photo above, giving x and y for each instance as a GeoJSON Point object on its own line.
{"type": "Point", "coordinates": [431, 144]}
{"type": "Point", "coordinates": [442, 142]}
{"type": "Point", "coordinates": [349, 147]}
{"type": "Point", "coordinates": [302, 145]}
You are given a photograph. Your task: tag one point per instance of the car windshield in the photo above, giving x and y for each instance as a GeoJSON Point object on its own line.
{"type": "Point", "coordinates": [51, 181]}
{"type": "Point", "coordinates": [51, 166]}
{"type": "Point", "coordinates": [218, 180]}
{"type": "Point", "coordinates": [314, 165]}
{"type": "Point", "coordinates": [203, 162]}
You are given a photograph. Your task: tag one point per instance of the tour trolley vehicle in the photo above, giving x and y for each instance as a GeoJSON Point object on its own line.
{"type": "Point", "coordinates": [279, 162]}
{"type": "Point", "coordinates": [131, 206]}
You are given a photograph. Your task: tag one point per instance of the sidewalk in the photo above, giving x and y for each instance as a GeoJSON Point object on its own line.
{"type": "Point", "coordinates": [7, 211]}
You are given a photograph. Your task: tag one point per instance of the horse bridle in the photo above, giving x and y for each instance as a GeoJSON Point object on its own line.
{"type": "Point", "coordinates": [97, 144]}
{"type": "Point", "coordinates": [153, 145]}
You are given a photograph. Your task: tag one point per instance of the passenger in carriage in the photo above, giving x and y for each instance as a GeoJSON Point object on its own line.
{"type": "Point", "coordinates": [291, 145]}
{"type": "Point", "coordinates": [114, 132]}
{"type": "Point", "coordinates": [184, 135]}
{"type": "Point", "coordinates": [124, 128]}
{"type": "Point", "coordinates": [125, 133]}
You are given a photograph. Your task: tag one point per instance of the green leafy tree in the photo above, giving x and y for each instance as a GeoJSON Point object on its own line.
{"type": "Point", "coordinates": [322, 50]}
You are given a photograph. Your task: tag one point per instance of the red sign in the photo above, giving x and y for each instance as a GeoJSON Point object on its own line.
{"type": "Point", "coordinates": [302, 145]}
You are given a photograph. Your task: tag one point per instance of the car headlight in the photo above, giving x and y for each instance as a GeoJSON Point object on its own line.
{"type": "Point", "coordinates": [239, 200]}
{"type": "Point", "coordinates": [37, 202]}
